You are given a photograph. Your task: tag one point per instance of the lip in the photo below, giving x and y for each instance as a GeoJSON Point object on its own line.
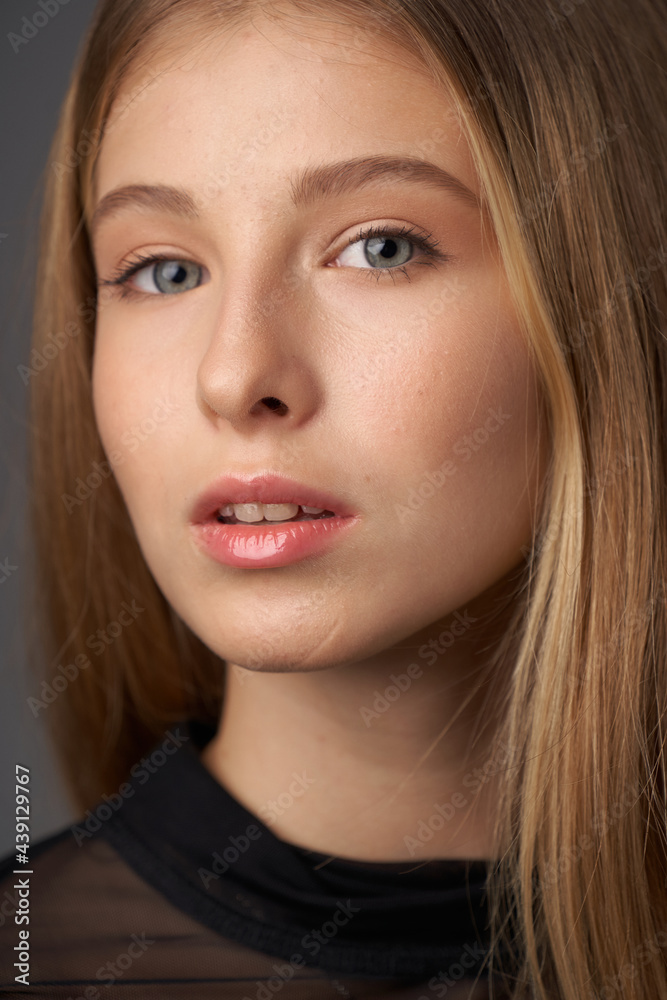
{"type": "Point", "coordinates": [263, 546]}
{"type": "Point", "coordinates": [264, 488]}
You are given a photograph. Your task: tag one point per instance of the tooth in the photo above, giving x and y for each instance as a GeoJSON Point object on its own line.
{"type": "Point", "coordinates": [249, 512]}
{"type": "Point", "coordinates": [252, 513]}
{"type": "Point", "coordinates": [279, 511]}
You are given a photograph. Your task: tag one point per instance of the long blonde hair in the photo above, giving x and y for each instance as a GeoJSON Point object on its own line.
{"type": "Point", "coordinates": [565, 109]}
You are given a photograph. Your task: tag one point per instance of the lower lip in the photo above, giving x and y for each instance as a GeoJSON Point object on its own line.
{"type": "Point", "coordinates": [262, 546]}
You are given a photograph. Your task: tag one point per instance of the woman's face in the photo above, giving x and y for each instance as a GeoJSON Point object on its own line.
{"type": "Point", "coordinates": [407, 390]}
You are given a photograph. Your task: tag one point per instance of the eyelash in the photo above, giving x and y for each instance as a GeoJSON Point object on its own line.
{"type": "Point", "coordinates": [423, 240]}
{"type": "Point", "coordinates": [124, 272]}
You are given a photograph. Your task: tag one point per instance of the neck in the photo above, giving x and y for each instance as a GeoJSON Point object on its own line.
{"type": "Point", "coordinates": [389, 759]}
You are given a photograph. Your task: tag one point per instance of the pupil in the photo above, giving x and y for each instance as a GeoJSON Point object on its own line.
{"type": "Point", "coordinates": [381, 251]}
{"type": "Point", "coordinates": [178, 273]}
{"type": "Point", "coordinates": [170, 273]}
{"type": "Point", "coordinates": [389, 248]}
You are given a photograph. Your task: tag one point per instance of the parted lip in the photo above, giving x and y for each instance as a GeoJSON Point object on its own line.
{"type": "Point", "coordinates": [263, 488]}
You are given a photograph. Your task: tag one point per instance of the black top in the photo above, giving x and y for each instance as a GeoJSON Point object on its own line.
{"type": "Point", "coordinates": [170, 888]}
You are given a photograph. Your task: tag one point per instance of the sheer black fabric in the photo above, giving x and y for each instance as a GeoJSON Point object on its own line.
{"type": "Point", "coordinates": [170, 888]}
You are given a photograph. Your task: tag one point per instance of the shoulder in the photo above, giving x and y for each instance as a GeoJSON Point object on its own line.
{"type": "Point", "coordinates": [50, 885]}
{"type": "Point", "coordinates": [74, 904]}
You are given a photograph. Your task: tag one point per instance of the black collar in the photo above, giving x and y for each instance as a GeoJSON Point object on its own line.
{"type": "Point", "coordinates": [188, 837]}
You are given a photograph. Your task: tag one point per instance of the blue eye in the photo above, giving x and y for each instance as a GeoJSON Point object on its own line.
{"type": "Point", "coordinates": [171, 275]}
{"type": "Point", "coordinates": [380, 250]}
{"type": "Point", "coordinates": [157, 276]}
{"type": "Point", "coordinates": [386, 250]}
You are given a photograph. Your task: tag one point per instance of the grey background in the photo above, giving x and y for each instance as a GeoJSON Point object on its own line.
{"type": "Point", "coordinates": [33, 81]}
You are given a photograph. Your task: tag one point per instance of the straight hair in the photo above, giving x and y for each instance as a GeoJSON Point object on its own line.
{"type": "Point", "coordinates": [565, 111]}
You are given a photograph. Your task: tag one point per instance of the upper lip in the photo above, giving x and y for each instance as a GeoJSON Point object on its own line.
{"type": "Point", "coordinates": [264, 488]}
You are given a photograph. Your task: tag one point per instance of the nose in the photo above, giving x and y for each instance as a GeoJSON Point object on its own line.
{"type": "Point", "coordinates": [257, 368]}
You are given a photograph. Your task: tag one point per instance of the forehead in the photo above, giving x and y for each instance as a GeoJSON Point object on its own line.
{"type": "Point", "coordinates": [203, 112]}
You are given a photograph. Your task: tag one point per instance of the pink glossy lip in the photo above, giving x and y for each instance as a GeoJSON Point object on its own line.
{"type": "Point", "coordinates": [255, 546]}
{"type": "Point", "coordinates": [263, 546]}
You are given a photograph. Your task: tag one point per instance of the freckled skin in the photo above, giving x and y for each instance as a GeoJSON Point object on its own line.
{"type": "Point", "coordinates": [385, 379]}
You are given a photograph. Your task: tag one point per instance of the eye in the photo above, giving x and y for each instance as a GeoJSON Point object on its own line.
{"type": "Point", "coordinates": [155, 275]}
{"type": "Point", "coordinates": [169, 276]}
{"type": "Point", "coordinates": [389, 249]}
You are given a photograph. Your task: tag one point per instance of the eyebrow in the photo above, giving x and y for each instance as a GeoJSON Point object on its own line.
{"type": "Point", "coordinates": [157, 197]}
{"type": "Point", "coordinates": [309, 186]}
{"type": "Point", "coordinates": [316, 183]}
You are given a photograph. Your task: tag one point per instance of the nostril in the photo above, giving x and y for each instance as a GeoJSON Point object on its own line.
{"type": "Point", "coordinates": [274, 404]}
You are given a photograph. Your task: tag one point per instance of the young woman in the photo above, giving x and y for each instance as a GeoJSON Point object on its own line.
{"type": "Point", "coordinates": [348, 382]}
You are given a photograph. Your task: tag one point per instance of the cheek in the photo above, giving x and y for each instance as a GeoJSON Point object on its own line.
{"type": "Point", "coordinates": [136, 411]}
{"type": "Point", "coordinates": [456, 430]}
{"type": "Point", "coordinates": [110, 397]}
{"type": "Point", "coordinates": [458, 391]}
